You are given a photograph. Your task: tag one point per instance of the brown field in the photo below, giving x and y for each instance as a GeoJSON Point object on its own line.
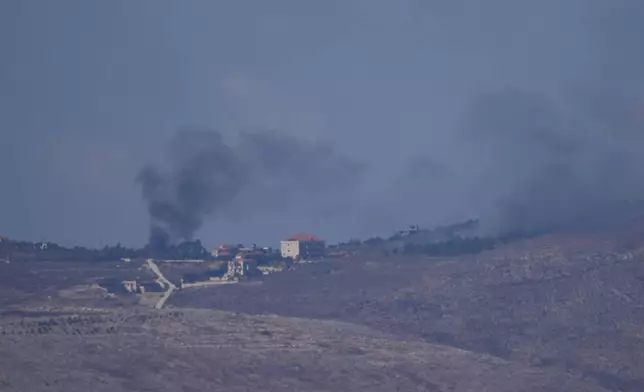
{"type": "Point", "coordinates": [216, 351]}
{"type": "Point", "coordinates": [569, 304]}
{"type": "Point", "coordinates": [556, 313]}
{"type": "Point", "coordinates": [175, 271]}
{"type": "Point", "coordinates": [28, 284]}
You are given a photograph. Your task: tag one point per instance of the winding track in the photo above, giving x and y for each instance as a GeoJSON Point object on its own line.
{"type": "Point", "coordinates": [161, 277]}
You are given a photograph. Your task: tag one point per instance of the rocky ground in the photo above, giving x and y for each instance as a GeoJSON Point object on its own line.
{"type": "Point", "coordinates": [191, 350]}
{"type": "Point", "coordinates": [556, 313]}
{"type": "Point", "coordinates": [571, 304]}
{"type": "Point", "coordinates": [60, 283]}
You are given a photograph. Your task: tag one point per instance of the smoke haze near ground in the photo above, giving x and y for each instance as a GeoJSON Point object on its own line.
{"type": "Point", "coordinates": [208, 178]}
{"type": "Point", "coordinates": [538, 167]}
{"type": "Point", "coordinates": [522, 113]}
{"type": "Point", "coordinates": [531, 160]}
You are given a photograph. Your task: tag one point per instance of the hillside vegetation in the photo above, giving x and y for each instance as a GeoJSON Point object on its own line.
{"type": "Point", "coordinates": [573, 304]}
{"type": "Point", "coordinates": [556, 313]}
{"type": "Point", "coordinates": [217, 351]}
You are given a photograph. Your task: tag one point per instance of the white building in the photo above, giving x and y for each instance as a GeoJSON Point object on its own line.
{"type": "Point", "coordinates": [302, 247]}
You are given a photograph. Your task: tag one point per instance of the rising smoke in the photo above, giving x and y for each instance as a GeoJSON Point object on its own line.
{"type": "Point", "coordinates": [207, 178]}
{"type": "Point", "coordinates": [541, 168]}
{"type": "Point", "coordinates": [535, 161]}
{"type": "Point", "coordinates": [520, 159]}
{"type": "Point", "coordinates": [581, 156]}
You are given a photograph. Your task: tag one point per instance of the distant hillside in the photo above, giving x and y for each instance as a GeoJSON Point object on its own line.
{"type": "Point", "coordinates": [570, 303]}
{"type": "Point", "coordinates": [215, 351]}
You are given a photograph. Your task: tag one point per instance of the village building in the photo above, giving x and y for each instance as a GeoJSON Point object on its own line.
{"type": "Point", "coordinates": [242, 268]}
{"type": "Point", "coordinates": [150, 286]}
{"type": "Point", "coordinates": [130, 286]}
{"type": "Point", "coordinates": [245, 249]}
{"type": "Point", "coordinates": [303, 247]}
{"type": "Point", "coordinates": [225, 252]}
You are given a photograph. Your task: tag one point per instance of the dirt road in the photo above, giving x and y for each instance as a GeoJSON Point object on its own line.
{"type": "Point", "coordinates": [162, 278]}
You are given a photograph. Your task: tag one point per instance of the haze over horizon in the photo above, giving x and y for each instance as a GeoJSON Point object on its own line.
{"type": "Point", "coordinates": [520, 112]}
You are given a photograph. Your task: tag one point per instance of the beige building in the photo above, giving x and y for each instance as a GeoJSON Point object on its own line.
{"type": "Point", "coordinates": [130, 286]}
{"type": "Point", "coordinates": [303, 247]}
{"type": "Point", "coordinates": [241, 268]}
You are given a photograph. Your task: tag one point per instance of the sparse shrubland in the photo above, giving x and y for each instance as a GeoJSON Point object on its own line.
{"type": "Point", "coordinates": [550, 313]}
{"type": "Point", "coordinates": [569, 303]}
{"type": "Point", "coordinates": [452, 247]}
{"type": "Point", "coordinates": [49, 251]}
{"type": "Point", "coordinates": [194, 350]}
{"type": "Point", "coordinates": [458, 245]}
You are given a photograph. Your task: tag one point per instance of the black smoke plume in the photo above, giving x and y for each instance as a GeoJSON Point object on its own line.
{"type": "Point", "coordinates": [538, 161]}
{"type": "Point", "coordinates": [206, 178]}
{"type": "Point", "coordinates": [558, 160]}
{"type": "Point", "coordinates": [541, 169]}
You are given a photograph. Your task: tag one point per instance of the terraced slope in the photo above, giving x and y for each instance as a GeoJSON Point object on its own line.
{"type": "Point", "coordinates": [217, 351]}
{"type": "Point", "coordinates": [569, 303]}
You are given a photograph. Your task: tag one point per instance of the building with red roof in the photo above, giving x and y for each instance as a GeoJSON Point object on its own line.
{"type": "Point", "coordinates": [303, 247]}
{"type": "Point", "coordinates": [225, 252]}
{"type": "Point", "coordinates": [304, 238]}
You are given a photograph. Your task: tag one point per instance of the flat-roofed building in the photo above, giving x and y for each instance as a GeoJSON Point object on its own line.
{"type": "Point", "coordinates": [242, 268]}
{"type": "Point", "coordinates": [225, 252]}
{"type": "Point", "coordinates": [303, 247]}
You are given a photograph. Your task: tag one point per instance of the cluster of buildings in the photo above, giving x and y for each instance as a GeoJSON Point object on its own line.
{"type": "Point", "coordinates": [137, 285]}
{"type": "Point", "coordinates": [296, 247]}
{"type": "Point", "coordinates": [143, 286]}
{"type": "Point", "coordinates": [303, 247]}
{"type": "Point", "coordinates": [229, 252]}
{"type": "Point", "coordinates": [245, 262]}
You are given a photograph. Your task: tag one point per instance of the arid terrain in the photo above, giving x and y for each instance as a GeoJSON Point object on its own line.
{"type": "Point", "coordinates": [561, 312]}
{"type": "Point", "coordinates": [29, 284]}
{"type": "Point", "coordinates": [195, 350]}
{"type": "Point", "coordinates": [570, 304]}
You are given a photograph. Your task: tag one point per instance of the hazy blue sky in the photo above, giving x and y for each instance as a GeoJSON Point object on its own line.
{"type": "Point", "coordinates": [91, 90]}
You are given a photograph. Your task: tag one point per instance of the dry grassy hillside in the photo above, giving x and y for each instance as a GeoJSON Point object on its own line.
{"type": "Point", "coordinates": [216, 351]}
{"type": "Point", "coordinates": [556, 313]}
{"type": "Point", "coordinates": [40, 283]}
{"type": "Point", "coordinates": [568, 303]}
